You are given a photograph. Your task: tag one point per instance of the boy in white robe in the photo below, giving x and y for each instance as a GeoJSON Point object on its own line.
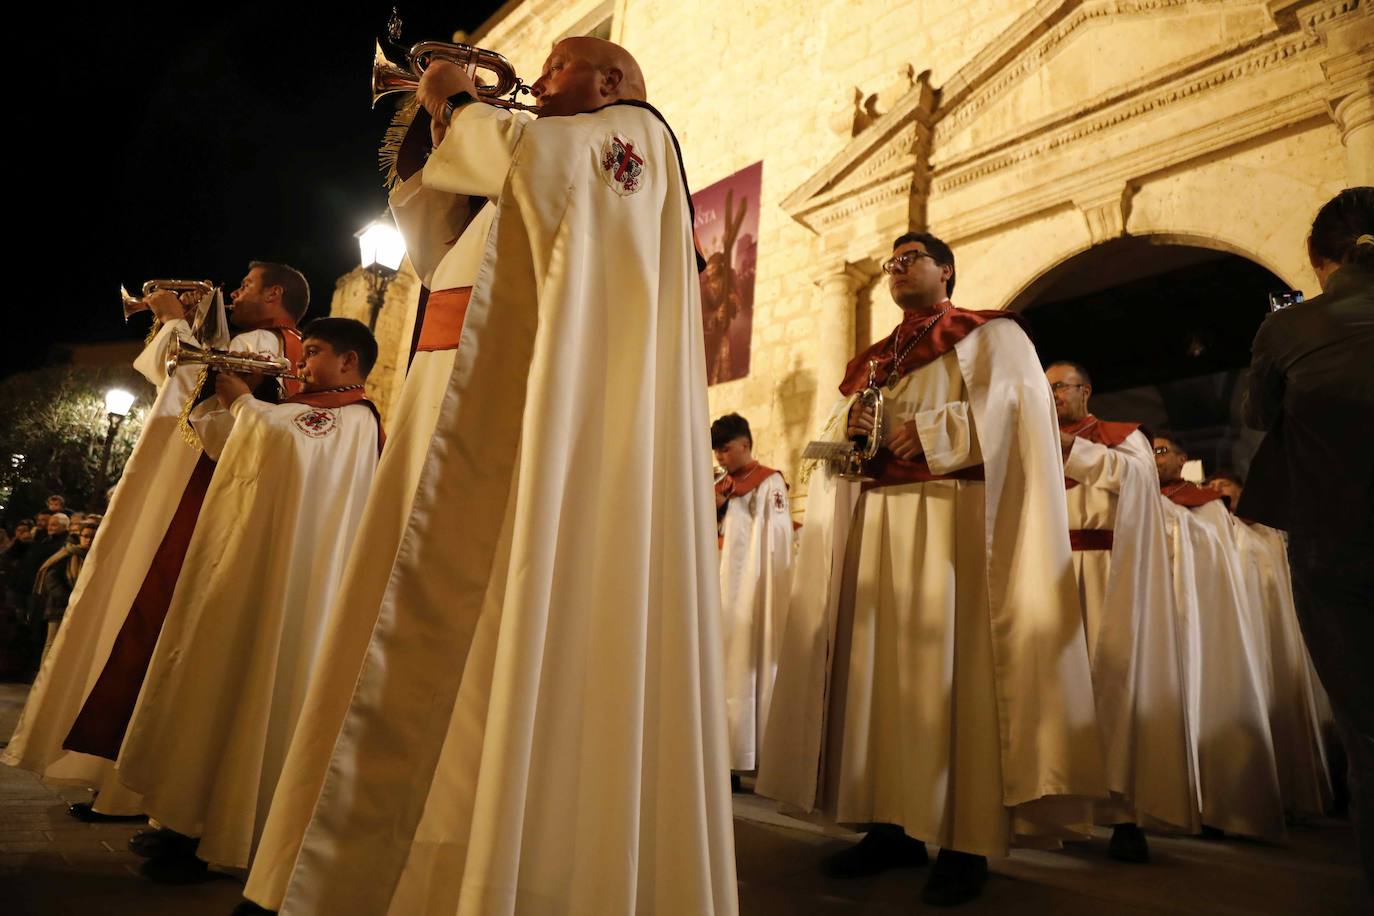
{"type": "Point", "coordinates": [228, 677]}
{"type": "Point", "coordinates": [136, 555]}
{"type": "Point", "coordinates": [934, 683]}
{"type": "Point", "coordinates": [1225, 670]}
{"type": "Point", "coordinates": [755, 579]}
{"type": "Point", "coordinates": [1121, 559]}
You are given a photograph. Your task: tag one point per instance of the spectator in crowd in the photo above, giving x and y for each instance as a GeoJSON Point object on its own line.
{"type": "Point", "coordinates": [57, 503]}
{"type": "Point", "coordinates": [78, 521]}
{"type": "Point", "coordinates": [49, 540]}
{"type": "Point", "coordinates": [1311, 388]}
{"type": "Point", "coordinates": [55, 581]}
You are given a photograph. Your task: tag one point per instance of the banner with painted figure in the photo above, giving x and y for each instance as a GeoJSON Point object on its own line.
{"type": "Point", "coordinates": [727, 229]}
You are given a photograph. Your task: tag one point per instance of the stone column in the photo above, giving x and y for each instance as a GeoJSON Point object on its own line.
{"type": "Point", "coordinates": [1355, 117]}
{"type": "Point", "coordinates": [835, 317]}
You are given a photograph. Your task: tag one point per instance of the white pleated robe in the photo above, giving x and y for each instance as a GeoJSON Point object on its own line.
{"type": "Point", "coordinates": [934, 671]}
{"type": "Point", "coordinates": [141, 509]}
{"type": "Point", "coordinates": [1133, 639]}
{"type": "Point", "coordinates": [228, 677]}
{"type": "Point", "coordinates": [1299, 752]}
{"type": "Point", "coordinates": [430, 219]}
{"type": "Point", "coordinates": [539, 724]}
{"type": "Point", "coordinates": [1233, 748]}
{"type": "Point", "coordinates": [755, 582]}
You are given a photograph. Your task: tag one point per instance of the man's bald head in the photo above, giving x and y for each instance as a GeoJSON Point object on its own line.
{"type": "Point", "coordinates": [583, 74]}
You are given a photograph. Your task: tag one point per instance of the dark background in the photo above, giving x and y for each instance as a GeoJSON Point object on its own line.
{"type": "Point", "coordinates": [184, 142]}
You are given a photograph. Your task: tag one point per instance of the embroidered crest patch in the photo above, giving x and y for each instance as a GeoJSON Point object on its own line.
{"type": "Point", "coordinates": [317, 422]}
{"type": "Point", "coordinates": [779, 501]}
{"type": "Point", "coordinates": [622, 165]}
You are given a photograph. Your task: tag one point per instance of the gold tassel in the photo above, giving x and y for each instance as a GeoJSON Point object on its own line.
{"type": "Point", "coordinates": [393, 138]}
{"type": "Point", "coordinates": [188, 434]}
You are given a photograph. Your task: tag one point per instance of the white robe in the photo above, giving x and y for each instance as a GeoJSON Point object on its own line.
{"type": "Point", "coordinates": [1133, 640]}
{"type": "Point", "coordinates": [755, 580]}
{"type": "Point", "coordinates": [428, 219]}
{"type": "Point", "coordinates": [1293, 716]}
{"type": "Point", "coordinates": [555, 604]}
{"type": "Point", "coordinates": [228, 677]}
{"type": "Point", "coordinates": [934, 670]}
{"type": "Point", "coordinates": [148, 493]}
{"type": "Point", "coordinates": [1233, 749]}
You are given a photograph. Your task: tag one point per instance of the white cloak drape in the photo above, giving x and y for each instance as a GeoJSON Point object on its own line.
{"type": "Point", "coordinates": [1133, 640]}
{"type": "Point", "coordinates": [227, 679]}
{"type": "Point", "coordinates": [1293, 718]}
{"type": "Point", "coordinates": [1046, 725]}
{"type": "Point", "coordinates": [1233, 750]}
{"type": "Point", "coordinates": [148, 493]}
{"type": "Point", "coordinates": [755, 581]}
{"type": "Point", "coordinates": [555, 602]}
{"type": "Point", "coordinates": [429, 220]}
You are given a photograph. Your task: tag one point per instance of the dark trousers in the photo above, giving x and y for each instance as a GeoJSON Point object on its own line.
{"type": "Point", "coordinates": [1333, 588]}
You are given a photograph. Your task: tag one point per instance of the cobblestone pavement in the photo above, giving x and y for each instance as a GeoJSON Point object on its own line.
{"type": "Point", "coordinates": [52, 865]}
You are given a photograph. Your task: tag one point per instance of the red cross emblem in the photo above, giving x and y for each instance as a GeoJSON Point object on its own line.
{"type": "Point", "coordinates": [621, 166]}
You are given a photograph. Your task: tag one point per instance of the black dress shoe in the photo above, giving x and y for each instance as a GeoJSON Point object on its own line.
{"type": "Point", "coordinates": [249, 908]}
{"type": "Point", "coordinates": [882, 848]}
{"type": "Point", "coordinates": [162, 843]}
{"type": "Point", "coordinates": [957, 877]}
{"type": "Point", "coordinates": [1128, 844]}
{"type": "Point", "coordinates": [176, 869]}
{"type": "Point", "coordinates": [85, 812]}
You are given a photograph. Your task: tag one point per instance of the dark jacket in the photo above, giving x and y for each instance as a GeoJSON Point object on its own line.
{"type": "Point", "coordinates": [1312, 387]}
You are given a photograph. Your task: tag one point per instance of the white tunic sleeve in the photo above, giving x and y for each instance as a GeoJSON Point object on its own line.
{"type": "Point", "coordinates": [152, 362]}
{"type": "Point", "coordinates": [1097, 465]}
{"type": "Point", "coordinates": [948, 438]}
{"type": "Point", "coordinates": [476, 153]}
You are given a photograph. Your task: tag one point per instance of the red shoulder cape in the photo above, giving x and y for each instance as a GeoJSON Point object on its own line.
{"type": "Point", "coordinates": [952, 327]}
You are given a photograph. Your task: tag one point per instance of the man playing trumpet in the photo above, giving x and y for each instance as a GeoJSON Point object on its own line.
{"type": "Point", "coordinates": [570, 751]}
{"type": "Point", "coordinates": [116, 609]}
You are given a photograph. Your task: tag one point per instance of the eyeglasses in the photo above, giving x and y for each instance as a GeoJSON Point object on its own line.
{"type": "Point", "coordinates": [1163, 449]}
{"type": "Point", "coordinates": [898, 264]}
{"type": "Point", "coordinates": [1061, 386]}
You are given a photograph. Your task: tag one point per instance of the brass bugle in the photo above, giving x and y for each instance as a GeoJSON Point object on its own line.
{"type": "Point", "coordinates": [182, 353]}
{"type": "Point", "coordinates": [389, 77]}
{"type": "Point", "coordinates": [133, 306]}
{"type": "Point", "coordinates": [865, 448]}
{"type": "Point", "coordinates": [717, 475]}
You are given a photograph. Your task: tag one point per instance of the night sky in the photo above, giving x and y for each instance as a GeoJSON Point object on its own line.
{"type": "Point", "coordinates": [189, 142]}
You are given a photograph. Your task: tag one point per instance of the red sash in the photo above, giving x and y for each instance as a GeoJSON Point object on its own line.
{"type": "Point", "coordinates": [1103, 432]}
{"type": "Point", "coordinates": [442, 326]}
{"type": "Point", "coordinates": [746, 480]}
{"type": "Point", "coordinates": [1090, 538]}
{"type": "Point", "coordinates": [99, 727]}
{"type": "Point", "coordinates": [890, 471]}
{"type": "Point", "coordinates": [1187, 494]}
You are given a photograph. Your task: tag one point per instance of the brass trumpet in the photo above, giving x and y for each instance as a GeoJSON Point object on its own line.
{"type": "Point", "coordinates": [388, 77]}
{"type": "Point", "coordinates": [717, 475]}
{"type": "Point", "coordinates": [133, 306]}
{"type": "Point", "coordinates": [181, 353]}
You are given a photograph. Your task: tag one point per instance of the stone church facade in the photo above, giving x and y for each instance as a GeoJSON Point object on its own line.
{"type": "Point", "coordinates": [1023, 133]}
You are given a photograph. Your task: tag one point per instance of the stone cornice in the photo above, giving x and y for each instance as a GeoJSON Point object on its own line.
{"type": "Point", "coordinates": [1102, 115]}
{"type": "Point", "coordinates": [876, 166]}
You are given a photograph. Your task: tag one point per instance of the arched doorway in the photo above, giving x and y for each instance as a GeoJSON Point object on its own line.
{"type": "Point", "coordinates": [1165, 329]}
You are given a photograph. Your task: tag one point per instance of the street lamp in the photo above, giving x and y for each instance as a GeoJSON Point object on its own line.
{"type": "Point", "coordinates": [117, 404]}
{"type": "Point", "coordinates": [382, 250]}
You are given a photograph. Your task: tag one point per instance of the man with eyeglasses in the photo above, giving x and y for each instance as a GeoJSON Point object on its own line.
{"type": "Point", "coordinates": [1121, 560]}
{"type": "Point", "coordinates": [934, 683]}
{"type": "Point", "coordinates": [1233, 746]}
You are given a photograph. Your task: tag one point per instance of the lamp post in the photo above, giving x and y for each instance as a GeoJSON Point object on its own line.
{"type": "Point", "coordinates": [382, 249]}
{"type": "Point", "coordinates": [117, 404]}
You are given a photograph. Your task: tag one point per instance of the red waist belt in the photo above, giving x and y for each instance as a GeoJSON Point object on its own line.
{"type": "Point", "coordinates": [443, 323]}
{"type": "Point", "coordinates": [1090, 538]}
{"type": "Point", "coordinates": [890, 471]}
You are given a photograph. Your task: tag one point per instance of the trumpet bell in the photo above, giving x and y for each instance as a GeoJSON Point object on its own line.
{"type": "Point", "coordinates": [132, 306]}
{"type": "Point", "coordinates": [388, 77]}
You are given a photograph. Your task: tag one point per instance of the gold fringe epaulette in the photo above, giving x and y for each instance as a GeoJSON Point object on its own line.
{"type": "Point", "coordinates": [395, 135]}
{"type": "Point", "coordinates": [188, 434]}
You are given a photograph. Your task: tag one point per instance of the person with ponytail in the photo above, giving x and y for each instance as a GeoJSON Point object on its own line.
{"type": "Point", "coordinates": [1311, 388]}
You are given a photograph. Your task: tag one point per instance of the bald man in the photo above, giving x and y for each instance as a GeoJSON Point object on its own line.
{"type": "Point", "coordinates": [539, 725]}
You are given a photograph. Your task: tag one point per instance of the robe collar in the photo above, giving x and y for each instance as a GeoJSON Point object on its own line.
{"type": "Point", "coordinates": [1103, 432]}
{"type": "Point", "coordinates": [1187, 494]}
{"type": "Point", "coordinates": [950, 328]}
{"type": "Point", "coordinates": [746, 479]}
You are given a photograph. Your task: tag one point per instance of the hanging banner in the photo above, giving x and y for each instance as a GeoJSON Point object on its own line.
{"type": "Point", "coordinates": [727, 229]}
